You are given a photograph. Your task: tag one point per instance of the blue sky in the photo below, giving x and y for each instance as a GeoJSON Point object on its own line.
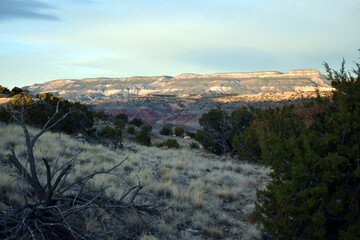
{"type": "Point", "coordinates": [68, 39]}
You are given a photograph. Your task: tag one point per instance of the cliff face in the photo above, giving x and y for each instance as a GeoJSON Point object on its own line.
{"type": "Point", "coordinates": [95, 89]}
{"type": "Point", "coordinates": [181, 100]}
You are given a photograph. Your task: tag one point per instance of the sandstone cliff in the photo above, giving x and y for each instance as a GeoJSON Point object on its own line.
{"type": "Point", "coordinates": [95, 89]}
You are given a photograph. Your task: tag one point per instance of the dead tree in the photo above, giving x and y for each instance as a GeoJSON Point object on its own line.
{"type": "Point", "coordinates": [51, 206]}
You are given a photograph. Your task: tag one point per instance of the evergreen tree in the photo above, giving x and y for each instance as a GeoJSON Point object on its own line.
{"type": "Point", "coordinates": [315, 187]}
{"type": "Point", "coordinates": [216, 133]}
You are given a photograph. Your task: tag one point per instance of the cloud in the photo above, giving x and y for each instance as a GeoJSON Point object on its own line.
{"type": "Point", "coordinates": [31, 9]}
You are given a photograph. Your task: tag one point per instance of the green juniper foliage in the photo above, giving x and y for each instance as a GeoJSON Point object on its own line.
{"type": "Point", "coordinates": [147, 128]}
{"type": "Point", "coordinates": [120, 120]}
{"type": "Point", "coordinates": [179, 131]}
{"type": "Point", "coordinates": [143, 138]}
{"type": "Point", "coordinates": [165, 131]}
{"type": "Point", "coordinates": [81, 120]}
{"type": "Point", "coordinates": [172, 143]}
{"type": "Point", "coordinates": [111, 133]}
{"type": "Point", "coordinates": [194, 145]}
{"type": "Point", "coordinates": [17, 90]}
{"type": "Point", "coordinates": [315, 187]}
{"type": "Point", "coordinates": [4, 90]}
{"type": "Point", "coordinates": [131, 130]}
{"type": "Point", "coordinates": [5, 116]}
{"type": "Point", "coordinates": [215, 133]}
{"type": "Point", "coordinates": [136, 121]}
{"type": "Point", "coordinates": [101, 115]}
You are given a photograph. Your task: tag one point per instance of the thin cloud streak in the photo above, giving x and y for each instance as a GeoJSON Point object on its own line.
{"type": "Point", "coordinates": [30, 9]}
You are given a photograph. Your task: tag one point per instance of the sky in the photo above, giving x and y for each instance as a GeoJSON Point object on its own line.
{"type": "Point", "coordinates": [71, 39]}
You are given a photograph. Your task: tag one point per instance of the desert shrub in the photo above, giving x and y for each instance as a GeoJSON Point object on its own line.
{"type": "Point", "coordinates": [160, 144]}
{"type": "Point", "coordinates": [172, 143]}
{"type": "Point", "coordinates": [101, 115]}
{"type": "Point", "coordinates": [165, 131]}
{"type": "Point", "coordinates": [130, 130]}
{"type": "Point", "coordinates": [119, 123]}
{"type": "Point", "coordinates": [179, 131]}
{"type": "Point", "coordinates": [120, 120]}
{"type": "Point", "coordinates": [215, 134]}
{"type": "Point", "coordinates": [5, 116]}
{"type": "Point", "coordinates": [194, 145]}
{"type": "Point", "coordinates": [4, 90]}
{"type": "Point", "coordinates": [16, 90]}
{"type": "Point", "coordinates": [136, 121]}
{"type": "Point", "coordinates": [143, 138]}
{"type": "Point", "coordinates": [122, 116]}
{"type": "Point", "coordinates": [315, 187]}
{"type": "Point", "coordinates": [147, 128]}
{"type": "Point", "coordinates": [26, 100]}
{"type": "Point", "coordinates": [111, 133]}
{"type": "Point", "coordinates": [81, 120]}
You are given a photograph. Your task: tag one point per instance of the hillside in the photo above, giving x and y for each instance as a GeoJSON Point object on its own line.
{"type": "Point", "coordinates": [201, 196]}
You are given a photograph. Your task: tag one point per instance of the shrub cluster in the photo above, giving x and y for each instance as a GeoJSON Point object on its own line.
{"type": "Point", "coordinates": [41, 109]}
{"type": "Point", "coordinates": [136, 121]}
{"type": "Point", "coordinates": [5, 116]}
{"type": "Point", "coordinates": [111, 133]}
{"type": "Point", "coordinates": [165, 131]}
{"type": "Point", "coordinates": [179, 131]}
{"type": "Point", "coordinates": [120, 120]}
{"type": "Point", "coordinates": [101, 115]}
{"type": "Point", "coordinates": [143, 138]}
{"type": "Point", "coordinates": [194, 145]}
{"type": "Point", "coordinates": [130, 130]}
{"type": "Point", "coordinates": [215, 134]}
{"type": "Point", "coordinates": [170, 143]}
{"type": "Point", "coordinates": [146, 128]}
{"type": "Point", "coordinates": [4, 90]}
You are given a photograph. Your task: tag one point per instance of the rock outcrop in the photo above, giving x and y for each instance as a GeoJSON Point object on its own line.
{"type": "Point", "coordinates": [95, 89]}
{"type": "Point", "coordinates": [181, 100]}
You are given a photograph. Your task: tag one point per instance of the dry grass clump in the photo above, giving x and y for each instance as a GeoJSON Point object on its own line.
{"type": "Point", "coordinates": [214, 231]}
{"type": "Point", "coordinates": [180, 166]}
{"type": "Point", "coordinates": [227, 194]}
{"type": "Point", "coordinates": [199, 195]}
{"type": "Point", "coordinates": [166, 174]}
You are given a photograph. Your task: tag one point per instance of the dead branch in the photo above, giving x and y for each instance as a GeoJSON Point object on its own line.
{"type": "Point", "coordinates": [55, 203]}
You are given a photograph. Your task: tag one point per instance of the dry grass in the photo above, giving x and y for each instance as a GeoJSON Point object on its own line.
{"type": "Point", "coordinates": [201, 196]}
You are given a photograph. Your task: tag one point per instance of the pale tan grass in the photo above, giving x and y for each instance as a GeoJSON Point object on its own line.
{"type": "Point", "coordinates": [197, 190]}
{"type": "Point", "coordinates": [227, 194]}
{"type": "Point", "coordinates": [180, 165]}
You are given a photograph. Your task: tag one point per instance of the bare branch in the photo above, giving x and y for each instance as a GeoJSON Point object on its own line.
{"type": "Point", "coordinates": [48, 174]}
{"type": "Point", "coordinates": [46, 214]}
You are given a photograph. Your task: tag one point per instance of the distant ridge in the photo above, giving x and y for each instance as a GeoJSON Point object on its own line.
{"type": "Point", "coordinates": [186, 84]}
